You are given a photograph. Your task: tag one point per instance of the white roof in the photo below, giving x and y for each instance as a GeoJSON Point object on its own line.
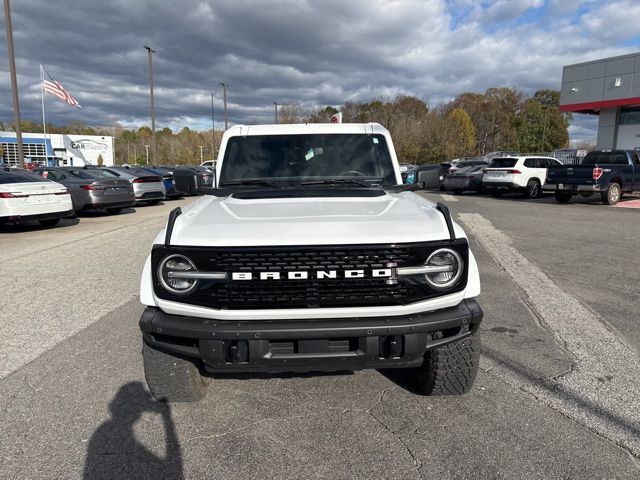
{"type": "Point", "coordinates": [302, 128]}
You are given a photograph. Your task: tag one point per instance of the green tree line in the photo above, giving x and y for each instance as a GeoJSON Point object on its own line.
{"type": "Point", "coordinates": [469, 125]}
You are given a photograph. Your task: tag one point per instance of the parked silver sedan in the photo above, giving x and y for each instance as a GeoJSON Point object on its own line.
{"type": "Point", "coordinates": [149, 188]}
{"type": "Point", "coordinates": [89, 191]}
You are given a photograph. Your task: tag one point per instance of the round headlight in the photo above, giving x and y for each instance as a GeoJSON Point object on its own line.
{"type": "Point", "coordinates": [173, 274]}
{"type": "Point", "coordinates": [447, 268]}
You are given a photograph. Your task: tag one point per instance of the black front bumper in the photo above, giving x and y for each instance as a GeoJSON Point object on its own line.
{"type": "Point", "coordinates": [309, 345]}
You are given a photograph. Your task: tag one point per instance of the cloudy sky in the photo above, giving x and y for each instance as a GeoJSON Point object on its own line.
{"type": "Point", "coordinates": [315, 52]}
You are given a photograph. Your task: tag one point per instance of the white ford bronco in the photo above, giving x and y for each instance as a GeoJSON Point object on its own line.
{"type": "Point", "coordinates": [308, 255]}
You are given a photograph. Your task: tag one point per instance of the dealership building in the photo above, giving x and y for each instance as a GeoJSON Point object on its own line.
{"type": "Point", "coordinates": [609, 88]}
{"type": "Point", "coordinates": [73, 150]}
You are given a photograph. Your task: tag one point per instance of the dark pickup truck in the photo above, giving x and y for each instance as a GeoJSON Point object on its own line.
{"type": "Point", "coordinates": [607, 172]}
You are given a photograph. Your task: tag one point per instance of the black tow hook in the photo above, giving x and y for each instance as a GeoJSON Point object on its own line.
{"type": "Point", "coordinates": [237, 352]}
{"type": "Point", "coordinates": [391, 346]}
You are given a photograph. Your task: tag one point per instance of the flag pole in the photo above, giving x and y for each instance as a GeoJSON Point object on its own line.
{"type": "Point", "coordinates": [44, 118]}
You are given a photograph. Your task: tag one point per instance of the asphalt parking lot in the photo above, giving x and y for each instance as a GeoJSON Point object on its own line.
{"type": "Point", "coordinates": [557, 395]}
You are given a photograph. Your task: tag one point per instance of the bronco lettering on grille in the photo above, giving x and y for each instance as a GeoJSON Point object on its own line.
{"type": "Point", "coordinates": [320, 274]}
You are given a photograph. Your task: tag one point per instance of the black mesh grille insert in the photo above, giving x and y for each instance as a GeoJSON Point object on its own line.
{"type": "Point", "coordinates": [310, 292]}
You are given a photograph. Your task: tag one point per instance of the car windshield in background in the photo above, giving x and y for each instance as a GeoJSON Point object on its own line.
{"type": "Point", "coordinates": [289, 160]}
{"type": "Point", "coordinates": [503, 163]}
{"type": "Point", "coordinates": [20, 177]}
{"type": "Point", "coordinates": [86, 174]}
{"type": "Point", "coordinates": [101, 173]}
{"type": "Point", "coordinates": [609, 158]}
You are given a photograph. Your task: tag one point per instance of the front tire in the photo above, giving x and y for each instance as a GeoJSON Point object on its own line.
{"type": "Point", "coordinates": [172, 378]}
{"type": "Point", "coordinates": [52, 222]}
{"type": "Point", "coordinates": [612, 194]}
{"type": "Point", "coordinates": [450, 369]}
{"type": "Point", "coordinates": [457, 191]}
{"type": "Point", "coordinates": [496, 193]}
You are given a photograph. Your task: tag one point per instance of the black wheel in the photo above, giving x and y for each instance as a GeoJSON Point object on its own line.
{"type": "Point", "coordinates": [563, 197]}
{"type": "Point", "coordinates": [153, 202]}
{"type": "Point", "coordinates": [115, 210]}
{"type": "Point", "coordinates": [171, 378]}
{"type": "Point", "coordinates": [612, 194]}
{"type": "Point", "coordinates": [457, 191]}
{"type": "Point", "coordinates": [52, 222]}
{"type": "Point", "coordinates": [533, 189]}
{"type": "Point", "coordinates": [496, 193]}
{"type": "Point", "coordinates": [451, 369]}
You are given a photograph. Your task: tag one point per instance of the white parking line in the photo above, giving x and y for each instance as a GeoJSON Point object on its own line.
{"type": "Point", "coordinates": [448, 198]}
{"type": "Point", "coordinates": [601, 391]}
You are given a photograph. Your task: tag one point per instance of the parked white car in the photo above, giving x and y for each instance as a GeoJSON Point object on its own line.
{"type": "Point", "coordinates": [26, 196]}
{"type": "Point", "coordinates": [524, 174]}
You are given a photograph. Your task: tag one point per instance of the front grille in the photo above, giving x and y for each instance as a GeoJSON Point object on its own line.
{"type": "Point", "coordinates": [286, 260]}
{"type": "Point", "coordinates": [311, 292]}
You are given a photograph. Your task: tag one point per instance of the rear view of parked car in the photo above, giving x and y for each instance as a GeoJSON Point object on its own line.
{"type": "Point", "coordinates": [167, 178]}
{"type": "Point", "coordinates": [464, 179]}
{"type": "Point", "coordinates": [524, 174]}
{"type": "Point", "coordinates": [426, 176]}
{"type": "Point", "coordinates": [608, 173]}
{"type": "Point", "coordinates": [148, 188]}
{"type": "Point", "coordinates": [189, 179]}
{"type": "Point", "coordinates": [89, 191]}
{"type": "Point", "coordinates": [467, 163]}
{"type": "Point", "coordinates": [25, 196]}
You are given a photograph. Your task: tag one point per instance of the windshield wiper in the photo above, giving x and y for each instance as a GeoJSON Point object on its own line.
{"type": "Point", "coordinates": [341, 181]}
{"type": "Point", "coordinates": [264, 183]}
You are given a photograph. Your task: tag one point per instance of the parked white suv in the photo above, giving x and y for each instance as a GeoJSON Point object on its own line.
{"type": "Point", "coordinates": [309, 256]}
{"type": "Point", "coordinates": [524, 174]}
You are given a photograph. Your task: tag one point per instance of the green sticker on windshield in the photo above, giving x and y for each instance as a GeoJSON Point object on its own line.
{"type": "Point", "coordinates": [375, 140]}
{"type": "Point", "coordinates": [309, 155]}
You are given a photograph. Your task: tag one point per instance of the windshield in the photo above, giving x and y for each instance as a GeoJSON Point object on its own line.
{"type": "Point", "coordinates": [289, 160]}
{"type": "Point", "coordinates": [102, 173]}
{"type": "Point", "coordinates": [20, 177]}
{"type": "Point", "coordinates": [83, 174]}
{"type": "Point", "coordinates": [610, 158]}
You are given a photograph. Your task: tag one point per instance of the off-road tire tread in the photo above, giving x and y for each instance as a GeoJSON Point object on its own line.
{"type": "Point", "coordinates": [450, 369]}
{"type": "Point", "coordinates": [172, 378]}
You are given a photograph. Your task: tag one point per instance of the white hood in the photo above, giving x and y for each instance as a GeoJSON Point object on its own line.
{"type": "Point", "coordinates": [228, 221]}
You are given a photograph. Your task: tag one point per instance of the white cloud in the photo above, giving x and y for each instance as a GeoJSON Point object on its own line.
{"type": "Point", "coordinates": [312, 52]}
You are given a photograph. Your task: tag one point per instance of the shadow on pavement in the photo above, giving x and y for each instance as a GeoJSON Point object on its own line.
{"type": "Point", "coordinates": [34, 226]}
{"type": "Point", "coordinates": [573, 397]}
{"type": "Point", "coordinates": [113, 451]}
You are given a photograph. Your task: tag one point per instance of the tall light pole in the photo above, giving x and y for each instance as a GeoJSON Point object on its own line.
{"type": "Point", "coordinates": [201, 159]}
{"type": "Point", "coordinates": [150, 51]}
{"type": "Point", "coordinates": [146, 147]}
{"type": "Point", "coordinates": [226, 118]}
{"type": "Point", "coordinates": [213, 128]}
{"type": "Point", "coordinates": [14, 82]}
{"type": "Point", "coordinates": [275, 112]}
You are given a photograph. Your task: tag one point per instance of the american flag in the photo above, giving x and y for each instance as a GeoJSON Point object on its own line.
{"type": "Point", "coordinates": [53, 86]}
